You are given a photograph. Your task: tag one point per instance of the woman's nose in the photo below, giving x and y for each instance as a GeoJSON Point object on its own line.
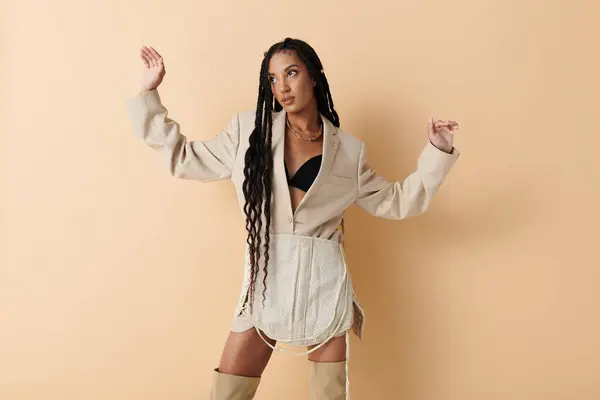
{"type": "Point", "coordinates": [284, 87]}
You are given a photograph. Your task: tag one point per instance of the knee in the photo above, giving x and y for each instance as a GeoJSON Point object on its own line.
{"type": "Point", "coordinates": [245, 354]}
{"type": "Point", "coordinates": [332, 351]}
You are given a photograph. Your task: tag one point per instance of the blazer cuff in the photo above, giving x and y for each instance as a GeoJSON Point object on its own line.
{"type": "Point", "coordinates": [146, 102]}
{"type": "Point", "coordinates": [437, 161]}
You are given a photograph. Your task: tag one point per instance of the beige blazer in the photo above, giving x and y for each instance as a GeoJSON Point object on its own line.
{"type": "Point", "coordinates": [345, 176]}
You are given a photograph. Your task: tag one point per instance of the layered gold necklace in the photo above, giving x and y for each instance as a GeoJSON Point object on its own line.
{"type": "Point", "coordinates": [304, 137]}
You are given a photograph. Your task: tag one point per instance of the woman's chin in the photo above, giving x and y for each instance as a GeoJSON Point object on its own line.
{"type": "Point", "coordinates": [292, 108]}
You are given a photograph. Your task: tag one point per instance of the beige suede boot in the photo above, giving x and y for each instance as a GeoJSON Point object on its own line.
{"type": "Point", "coordinates": [233, 387]}
{"type": "Point", "coordinates": [327, 380]}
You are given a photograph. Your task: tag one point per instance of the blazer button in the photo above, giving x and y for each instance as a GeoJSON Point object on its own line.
{"type": "Point", "coordinates": [290, 219]}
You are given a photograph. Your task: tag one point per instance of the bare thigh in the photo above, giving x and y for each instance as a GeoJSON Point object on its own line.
{"type": "Point", "coordinates": [332, 351]}
{"type": "Point", "coordinates": [245, 354]}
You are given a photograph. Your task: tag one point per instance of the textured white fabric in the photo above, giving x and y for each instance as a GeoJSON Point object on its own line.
{"type": "Point", "coordinates": [308, 297]}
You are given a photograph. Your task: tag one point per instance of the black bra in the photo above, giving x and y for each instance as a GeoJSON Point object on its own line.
{"type": "Point", "coordinates": [306, 174]}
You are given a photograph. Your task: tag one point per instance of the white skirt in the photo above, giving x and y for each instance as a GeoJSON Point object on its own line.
{"type": "Point", "coordinates": [309, 296]}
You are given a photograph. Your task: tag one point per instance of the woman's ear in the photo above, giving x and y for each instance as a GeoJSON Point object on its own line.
{"type": "Point", "coordinates": [314, 83]}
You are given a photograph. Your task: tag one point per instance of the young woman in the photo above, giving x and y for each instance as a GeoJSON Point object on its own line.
{"type": "Point", "coordinates": [295, 173]}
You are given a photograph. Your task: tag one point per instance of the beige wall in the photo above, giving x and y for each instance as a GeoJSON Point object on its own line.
{"type": "Point", "coordinates": [119, 282]}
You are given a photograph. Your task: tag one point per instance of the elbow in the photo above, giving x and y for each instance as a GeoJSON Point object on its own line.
{"type": "Point", "coordinates": [415, 210]}
{"type": "Point", "coordinates": [413, 206]}
{"type": "Point", "coordinates": [416, 202]}
{"type": "Point", "coordinates": [419, 204]}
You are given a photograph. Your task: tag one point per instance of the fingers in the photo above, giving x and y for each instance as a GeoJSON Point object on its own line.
{"type": "Point", "coordinates": [156, 56]}
{"type": "Point", "coordinates": [151, 57]}
{"type": "Point", "coordinates": [148, 58]}
{"type": "Point", "coordinates": [445, 126]}
{"type": "Point", "coordinates": [430, 125]}
{"type": "Point", "coordinates": [441, 127]}
{"type": "Point", "coordinates": [144, 58]}
{"type": "Point", "coordinates": [440, 124]}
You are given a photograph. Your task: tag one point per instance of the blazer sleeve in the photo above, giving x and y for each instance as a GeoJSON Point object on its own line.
{"type": "Point", "coordinates": [205, 161]}
{"type": "Point", "coordinates": [401, 199]}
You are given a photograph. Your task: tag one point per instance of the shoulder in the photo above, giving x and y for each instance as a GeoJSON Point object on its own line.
{"type": "Point", "coordinates": [247, 117]}
{"type": "Point", "coordinates": [247, 120]}
{"type": "Point", "coordinates": [241, 123]}
{"type": "Point", "coordinates": [349, 142]}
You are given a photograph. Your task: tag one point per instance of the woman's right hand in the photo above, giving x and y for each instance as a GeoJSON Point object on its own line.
{"type": "Point", "coordinates": [155, 69]}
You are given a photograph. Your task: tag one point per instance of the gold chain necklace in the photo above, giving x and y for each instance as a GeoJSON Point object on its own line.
{"type": "Point", "coordinates": [303, 137]}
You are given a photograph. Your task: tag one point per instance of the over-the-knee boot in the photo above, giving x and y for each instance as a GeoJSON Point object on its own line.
{"type": "Point", "coordinates": [233, 387]}
{"type": "Point", "coordinates": [327, 380]}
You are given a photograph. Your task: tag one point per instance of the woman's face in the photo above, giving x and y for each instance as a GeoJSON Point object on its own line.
{"type": "Point", "coordinates": [291, 83]}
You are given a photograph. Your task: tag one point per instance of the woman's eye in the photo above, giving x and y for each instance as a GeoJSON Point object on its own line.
{"type": "Point", "coordinates": [272, 79]}
{"type": "Point", "coordinates": [292, 73]}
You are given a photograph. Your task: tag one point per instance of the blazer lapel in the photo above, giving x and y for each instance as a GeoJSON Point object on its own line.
{"type": "Point", "coordinates": [330, 146]}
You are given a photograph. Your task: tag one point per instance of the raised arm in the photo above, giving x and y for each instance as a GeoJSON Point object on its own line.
{"type": "Point", "coordinates": [411, 196]}
{"type": "Point", "coordinates": [205, 161]}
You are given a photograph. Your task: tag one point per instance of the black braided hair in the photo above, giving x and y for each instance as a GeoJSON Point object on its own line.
{"type": "Point", "coordinates": [258, 168]}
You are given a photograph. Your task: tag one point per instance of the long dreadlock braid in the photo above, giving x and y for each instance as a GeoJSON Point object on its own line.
{"type": "Point", "coordinates": [258, 168]}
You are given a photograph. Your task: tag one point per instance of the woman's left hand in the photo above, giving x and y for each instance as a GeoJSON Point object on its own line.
{"type": "Point", "coordinates": [441, 134]}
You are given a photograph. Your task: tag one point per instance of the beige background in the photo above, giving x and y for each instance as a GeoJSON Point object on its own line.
{"type": "Point", "coordinates": [118, 281]}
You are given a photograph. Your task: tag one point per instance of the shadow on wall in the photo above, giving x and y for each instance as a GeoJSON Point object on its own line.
{"type": "Point", "coordinates": [385, 365]}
